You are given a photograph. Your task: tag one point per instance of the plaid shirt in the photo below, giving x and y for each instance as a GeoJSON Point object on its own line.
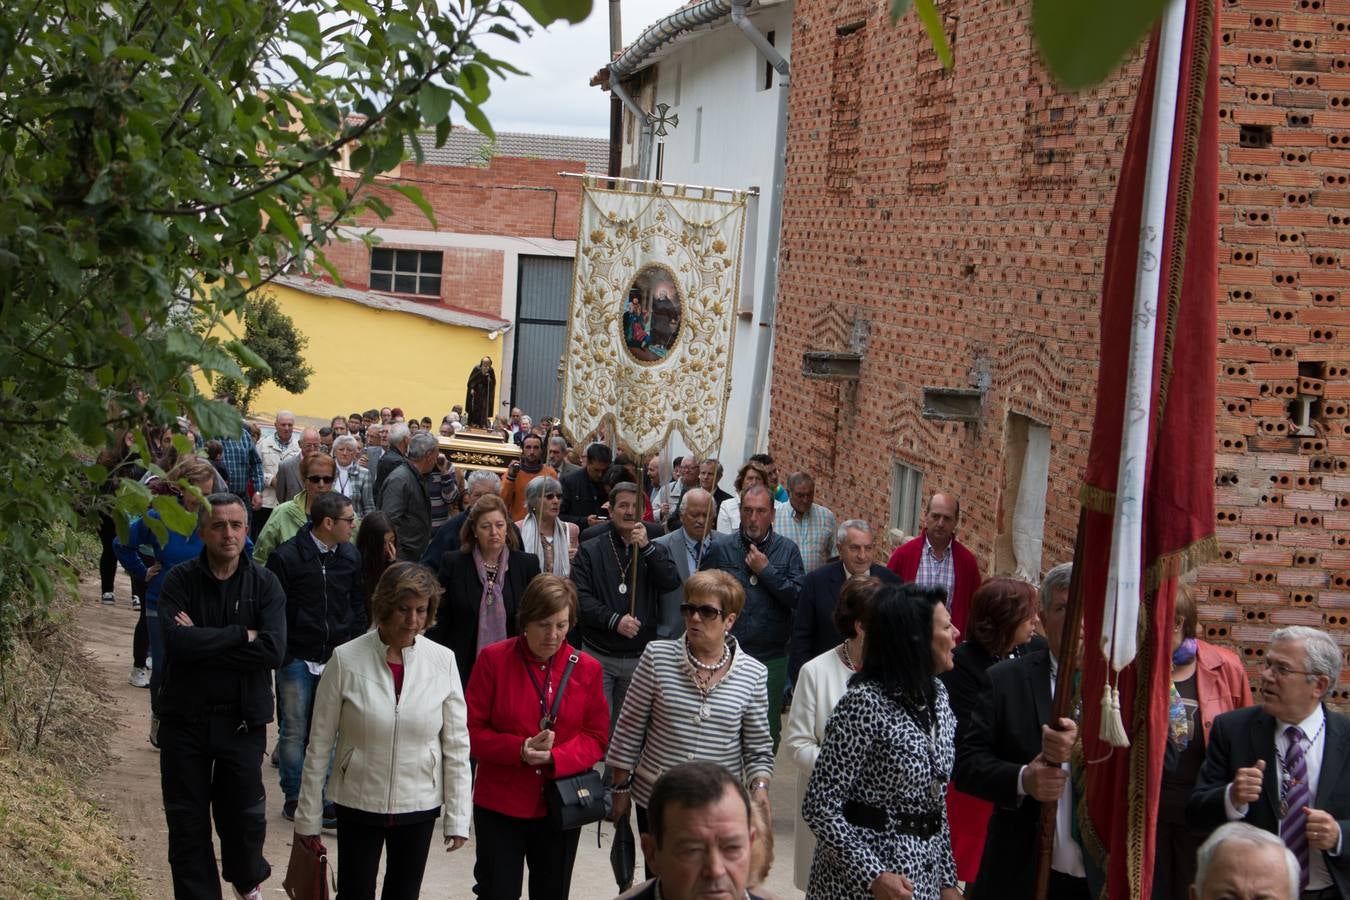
{"type": "Point", "coordinates": [242, 464]}
{"type": "Point", "coordinates": [813, 533]}
{"type": "Point", "coordinates": [358, 486]}
{"type": "Point", "coordinates": [934, 572]}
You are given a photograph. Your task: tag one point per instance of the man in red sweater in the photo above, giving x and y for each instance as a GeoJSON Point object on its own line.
{"type": "Point", "coordinates": [936, 558]}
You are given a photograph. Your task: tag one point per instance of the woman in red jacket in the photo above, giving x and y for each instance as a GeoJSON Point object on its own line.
{"type": "Point", "coordinates": [520, 746]}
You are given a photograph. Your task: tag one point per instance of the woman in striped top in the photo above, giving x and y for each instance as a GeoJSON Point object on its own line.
{"type": "Point", "coordinates": [695, 697]}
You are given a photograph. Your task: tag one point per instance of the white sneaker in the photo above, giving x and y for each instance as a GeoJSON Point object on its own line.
{"type": "Point", "coordinates": [139, 678]}
{"type": "Point", "coordinates": [255, 894]}
{"type": "Point", "coordinates": [135, 603]}
{"type": "Point", "coordinates": [108, 598]}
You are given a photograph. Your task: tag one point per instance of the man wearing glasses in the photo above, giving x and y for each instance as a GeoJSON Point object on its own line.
{"type": "Point", "coordinates": [1281, 766]}
{"type": "Point", "coordinates": [320, 573]}
{"type": "Point", "coordinates": [288, 482]}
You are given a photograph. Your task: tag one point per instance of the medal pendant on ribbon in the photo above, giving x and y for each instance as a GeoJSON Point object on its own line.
{"type": "Point", "coordinates": [623, 589]}
{"type": "Point", "coordinates": [935, 790]}
{"type": "Point", "coordinates": [705, 712]}
{"type": "Point", "coordinates": [754, 579]}
{"type": "Point", "coordinates": [545, 724]}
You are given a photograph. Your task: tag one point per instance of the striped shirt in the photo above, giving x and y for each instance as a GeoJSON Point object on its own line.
{"type": "Point", "coordinates": [813, 533]}
{"type": "Point", "coordinates": [661, 726]}
{"type": "Point", "coordinates": [934, 572]}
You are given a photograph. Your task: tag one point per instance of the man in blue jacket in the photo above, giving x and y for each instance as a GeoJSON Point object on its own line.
{"type": "Point", "coordinates": [769, 567]}
{"type": "Point", "coordinates": [320, 572]}
{"type": "Point", "coordinates": [224, 620]}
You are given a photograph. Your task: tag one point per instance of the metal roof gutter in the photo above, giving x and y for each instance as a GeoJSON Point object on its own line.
{"type": "Point", "coordinates": [663, 32]}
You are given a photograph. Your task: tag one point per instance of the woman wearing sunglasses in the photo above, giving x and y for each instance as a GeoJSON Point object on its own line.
{"type": "Point", "coordinates": [695, 697]}
{"type": "Point", "coordinates": [542, 533]}
{"type": "Point", "coordinates": [318, 471]}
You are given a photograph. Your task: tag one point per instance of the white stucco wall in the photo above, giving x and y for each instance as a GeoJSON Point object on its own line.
{"type": "Point", "coordinates": [713, 80]}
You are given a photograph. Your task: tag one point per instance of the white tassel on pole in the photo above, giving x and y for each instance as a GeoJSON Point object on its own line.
{"type": "Point", "coordinates": [1120, 620]}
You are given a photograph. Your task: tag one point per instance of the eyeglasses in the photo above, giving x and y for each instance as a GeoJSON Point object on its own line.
{"type": "Point", "coordinates": [705, 612]}
{"type": "Point", "coordinates": [320, 479]}
{"type": "Point", "coordinates": [348, 519]}
{"type": "Point", "coordinates": [1282, 670]}
{"type": "Point", "coordinates": [553, 496]}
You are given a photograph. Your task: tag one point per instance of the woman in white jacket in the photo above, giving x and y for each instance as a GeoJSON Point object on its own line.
{"type": "Point", "coordinates": [820, 684]}
{"type": "Point", "coordinates": [391, 704]}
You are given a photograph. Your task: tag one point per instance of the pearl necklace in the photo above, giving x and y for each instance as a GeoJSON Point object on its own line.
{"type": "Point", "coordinates": [707, 667]}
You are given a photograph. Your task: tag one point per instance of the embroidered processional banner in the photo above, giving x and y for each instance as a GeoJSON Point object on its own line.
{"type": "Point", "coordinates": [649, 334]}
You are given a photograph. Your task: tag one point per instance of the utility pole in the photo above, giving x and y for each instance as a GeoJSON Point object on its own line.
{"type": "Point", "coordinates": [615, 104]}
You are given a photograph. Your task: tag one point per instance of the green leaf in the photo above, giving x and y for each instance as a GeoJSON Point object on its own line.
{"type": "Point", "coordinates": [215, 419]}
{"type": "Point", "coordinates": [247, 358]}
{"type": "Point", "coordinates": [474, 116]}
{"type": "Point", "coordinates": [173, 514]}
{"type": "Point", "coordinates": [304, 30]}
{"type": "Point", "coordinates": [1083, 41]}
{"type": "Point", "coordinates": [898, 10]}
{"type": "Point", "coordinates": [932, 23]}
{"type": "Point", "coordinates": [415, 195]}
{"type": "Point", "coordinates": [546, 12]}
{"type": "Point", "coordinates": [433, 101]}
{"type": "Point", "coordinates": [474, 82]}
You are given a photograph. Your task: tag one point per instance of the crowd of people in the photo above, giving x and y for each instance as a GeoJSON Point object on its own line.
{"type": "Point", "coordinates": [456, 645]}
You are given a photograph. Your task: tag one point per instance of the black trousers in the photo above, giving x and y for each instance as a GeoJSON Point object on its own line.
{"type": "Point", "coordinates": [107, 559]}
{"type": "Point", "coordinates": [360, 844]}
{"type": "Point", "coordinates": [209, 769]}
{"type": "Point", "coordinates": [140, 638]}
{"type": "Point", "coordinates": [258, 518]}
{"type": "Point", "coordinates": [1067, 887]}
{"type": "Point", "coordinates": [506, 844]}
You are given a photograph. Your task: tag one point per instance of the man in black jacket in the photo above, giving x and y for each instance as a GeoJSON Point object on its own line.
{"type": "Point", "coordinates": [584, 494]}
{"type": "Point", "coordinates": [1013, 757]}
{"type": "Point", "coordinates": [320, 572]}
{"type": "Point", "coordinates": [619, 604]}
{"type": "Point", "coordinates": [224, 624]}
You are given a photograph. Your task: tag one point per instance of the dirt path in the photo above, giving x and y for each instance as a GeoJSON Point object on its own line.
{"type": "Point", "coordinates": [130, 788]}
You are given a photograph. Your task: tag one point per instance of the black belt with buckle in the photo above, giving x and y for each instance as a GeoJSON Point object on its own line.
{"type": "Point", "coordinates": [919, 824]}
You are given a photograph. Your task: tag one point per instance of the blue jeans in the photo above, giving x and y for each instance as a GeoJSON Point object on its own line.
{"type": "Point", "coordinates": [295, 704]}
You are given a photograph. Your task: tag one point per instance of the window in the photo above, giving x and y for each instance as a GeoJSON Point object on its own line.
{"type": "Point", "coordinates": [906, 498]}
{"type": "Point", "coordinates": [406, 271]}
{"type": "Point", "coordinates": [1026, 476]}
{"type": "Point", "coordinates": [766, 80]}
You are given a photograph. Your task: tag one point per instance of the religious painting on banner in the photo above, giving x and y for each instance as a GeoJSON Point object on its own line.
{"type": "Point", "coordinates": [650, 325]}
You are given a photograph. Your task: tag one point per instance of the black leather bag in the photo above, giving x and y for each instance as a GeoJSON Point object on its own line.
{"type": "Point", "coordinates": [575, 801]}
{"type": "Point", "coordinates": [578, 799]}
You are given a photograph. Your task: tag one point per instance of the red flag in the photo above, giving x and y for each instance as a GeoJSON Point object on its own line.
{"type": "Point", "coordinates": [1121, 784]}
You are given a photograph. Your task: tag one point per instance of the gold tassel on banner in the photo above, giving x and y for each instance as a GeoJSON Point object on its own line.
{"type": "Point", "coordinates": [1113, 727]}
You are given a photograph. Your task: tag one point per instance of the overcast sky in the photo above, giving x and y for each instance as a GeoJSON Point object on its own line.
{"type": "Point", "coordinates": [556, 97]}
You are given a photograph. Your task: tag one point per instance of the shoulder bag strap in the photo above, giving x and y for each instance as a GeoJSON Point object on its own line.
{"type": "Point", "coordinates": [562, 686]}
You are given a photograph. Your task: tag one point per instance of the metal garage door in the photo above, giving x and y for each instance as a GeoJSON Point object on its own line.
{"type": "Point", "coordinates": [541, 329]}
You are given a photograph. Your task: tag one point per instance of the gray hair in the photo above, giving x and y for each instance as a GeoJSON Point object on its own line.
{"type": "Point", "coordinates": [1246, 834]}
{"type": "Point", "coordinates": [421, 444]}
{"type": "Point", "coordinates": [796, 479]}
{"type": "Point", "coordinates": [558, 439]}
{"type": "Point", "coordinates": [484, 477]}
{"type": "Point", "coordinates": [1322, 653]}
{"type": "Point", "coordinates": [345, 440]}
{"type": "Point", "coordinates": [841, 533]}
{"type": "Point", "coordinates": [398, 433]}
{"type": "Point", "coordinates": [537, 488]}
{"type": "Point", "coordinates": [1057, 579]}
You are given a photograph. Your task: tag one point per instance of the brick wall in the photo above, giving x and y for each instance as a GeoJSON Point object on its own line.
{"type": "Point", "coordinates": [952, 228]}
{"type": "Point", "coordinates": [510, 197]}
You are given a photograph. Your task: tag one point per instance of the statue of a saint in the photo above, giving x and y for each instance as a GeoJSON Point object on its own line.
{"type": "Point", "coordinates": [482, 390]}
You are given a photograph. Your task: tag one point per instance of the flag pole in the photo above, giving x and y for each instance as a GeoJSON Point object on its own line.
{"type": "Point", "coordinates": [1062, 704]}
{"type": "Point", "coordinates": [1120, 619]}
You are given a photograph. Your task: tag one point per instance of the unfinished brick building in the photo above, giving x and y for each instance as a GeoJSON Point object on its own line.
{"type": "Point", "coordinates": [943, 241]}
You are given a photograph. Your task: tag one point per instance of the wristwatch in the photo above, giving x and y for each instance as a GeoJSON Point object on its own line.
{"type": "Point", "coordinates": [759, 784]}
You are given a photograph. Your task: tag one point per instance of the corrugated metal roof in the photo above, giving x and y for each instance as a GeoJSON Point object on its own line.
{"type": "Point", "coordinates": [375, 300]}
{"type": "Point", "coordinates": [466, 147]}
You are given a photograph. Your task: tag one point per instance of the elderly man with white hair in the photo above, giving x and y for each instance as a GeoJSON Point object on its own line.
{"type": "Point", "coordinates": [352, 481]}
{"type": "Point", "coordinates": [1242, 862]}
{"type": "Point", "coordinates": [1281, 765]}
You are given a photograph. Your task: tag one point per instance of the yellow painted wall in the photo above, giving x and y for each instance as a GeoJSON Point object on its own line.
{"type": "Point", "coordinates": [366, 358]}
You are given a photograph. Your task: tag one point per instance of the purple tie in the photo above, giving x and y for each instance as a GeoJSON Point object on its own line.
{"type": "Point", "coordinates": [1294, 825]}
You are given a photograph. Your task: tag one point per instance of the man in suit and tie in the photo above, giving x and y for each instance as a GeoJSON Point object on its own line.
{"type": "Point", "coordinates": [813, 630]}
{"type": "Point", "coordinates": [617, 600]}
{"type": "Point", "coordinates": [687, 546]}
{"type": "Point", "coordinates": [1013, 758]}
{"type": "Point", "coordinates": [1281, 766]}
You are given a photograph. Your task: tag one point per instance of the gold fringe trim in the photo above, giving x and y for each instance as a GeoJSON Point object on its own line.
{"type": "Point", "coordinates": [1179, 562]}
{"type": "Point", "coordinates": [1098, 500]}
{"type": "Point", "coordinates": [1138, 822]}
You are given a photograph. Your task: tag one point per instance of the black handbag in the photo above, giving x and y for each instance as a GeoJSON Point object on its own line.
{"type": "Point", "coordinates": [579, 799]}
